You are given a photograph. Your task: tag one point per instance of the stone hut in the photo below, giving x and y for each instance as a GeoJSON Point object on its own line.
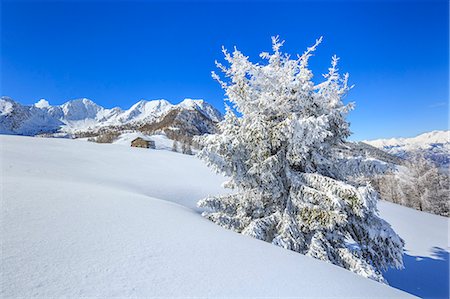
{"type": "Point", "coordinates": [144, 143]}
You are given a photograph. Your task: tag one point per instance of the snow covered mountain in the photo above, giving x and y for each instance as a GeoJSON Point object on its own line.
{"type": "Point", "coordinates": [366, 150]}
{"type": "Point", "coordinates": [420, 141]}
{"type": "Point", "coordinates": [26, 120]}
{"type": "Point", "coordinates": [203, 107]}
{"type": "Point", "coordinates": [83, 115]}
{"type": "Point", "coordinates": [433, 145]}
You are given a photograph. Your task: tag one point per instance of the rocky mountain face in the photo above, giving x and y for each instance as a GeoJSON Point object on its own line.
{"type": "Point", "coordinates": [434, 146]}
{"type": "Point", "coordinates": [84, 117]}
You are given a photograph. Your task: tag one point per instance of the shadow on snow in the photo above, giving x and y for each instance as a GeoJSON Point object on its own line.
{"type": "Point", "coordinates": [425, 277]}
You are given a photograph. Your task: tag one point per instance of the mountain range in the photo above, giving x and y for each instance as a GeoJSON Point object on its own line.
{"type": "Point", "coordinates": [83, 115]}
{"type": "Point", "coordinates": [434, 145]}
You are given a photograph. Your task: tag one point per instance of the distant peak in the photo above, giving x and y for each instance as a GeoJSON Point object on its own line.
{"type": "Point", "coordinates": [42, 103]}
{"type": "Point", "coordinates": [85, 101]}
{"type": "Point", "coordinates": [422, 139]}
{"type": "Point", "coordinates": [193, 103]}
{"type": "Point", "coordinates": [189, 101]}
{"type": "Point", "coordinates": [152, 103]}
{"type": "Point", "coordinates": [7, 99]}
{"type": "Point", "coordinates": [80, 103]}
{"type": "Point", "coordinates": [203, 107]}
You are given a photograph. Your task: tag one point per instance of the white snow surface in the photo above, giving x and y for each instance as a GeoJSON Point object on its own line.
{"type": "Point", "coordinates": [161, 141]}
{"type": "Point", "coordinates": [427, 252]}
{"type": "Point", "coordinates": [81, 219]}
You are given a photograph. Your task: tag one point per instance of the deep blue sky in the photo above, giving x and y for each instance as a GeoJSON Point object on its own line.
{"type": "Point", "coordinates": [117, 53]}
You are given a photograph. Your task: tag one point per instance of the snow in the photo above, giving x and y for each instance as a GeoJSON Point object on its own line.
{"type": "Point", "coordinates": [203, 107]}
{"type": "Point", "coordinates": [161, 141]}
{"type": "Point", "coordinates": [6, 107]}
{"type": "Point", "coordinates": [26, 120]}
{"type": "Point", "coordinates": [145, 109]}
{"type": "Point", "coordinates": [434, 145]}
{"type": "Point", "coordinates": [80, 109]}
{"type": "Point", "coordinates": [42, 103]}
{"type": "Point", "coordinates": [427, 251]}
{"type": "Point", "coordinates": [291, 172]}
{"type": "Point", "coordinates": [84, 219]}
{"type": "Point", "coordinates": [434, 141]}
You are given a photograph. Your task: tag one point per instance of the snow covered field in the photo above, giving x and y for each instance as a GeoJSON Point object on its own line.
{"type": "Point", "coordinates": [161, 141]}
{"type": "Point", "coordinates": [81, 219]}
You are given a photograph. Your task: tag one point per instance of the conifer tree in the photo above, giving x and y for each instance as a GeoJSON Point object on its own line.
{"type": "Point", "coordinates": [175, 146]}
{"type": "Point", "coordinates": [293, 186]}
{"type": "Point", "coordinates": [186, 147]}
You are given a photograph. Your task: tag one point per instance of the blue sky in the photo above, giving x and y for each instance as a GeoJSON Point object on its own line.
{"type": "Point", "coordinates": [117, 53]}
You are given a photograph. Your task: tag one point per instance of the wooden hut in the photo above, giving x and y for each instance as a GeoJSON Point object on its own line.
{"type": "Point", "coordinates": [144, 143]}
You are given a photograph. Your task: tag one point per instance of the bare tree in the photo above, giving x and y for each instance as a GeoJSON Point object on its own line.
{"type": "Point", "coordinates": [418, 184]}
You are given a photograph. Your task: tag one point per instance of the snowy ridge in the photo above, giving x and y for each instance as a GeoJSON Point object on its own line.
{"type": "Point", "coordinates": [203, 107]}
{"type": "Point", "coordinates": [83, 115]}
{"type": "Point", "coordinates": [434, 145]}
{"type": "Point", "coordinates": [421, 141]}
{"type": "Point", "coordinates": [143, 110]}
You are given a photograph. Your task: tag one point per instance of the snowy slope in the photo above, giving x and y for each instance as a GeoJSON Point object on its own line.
{"type": "Point", "coordinates": [161, 141]}
{"type": "Point", "coordinates": [82, 115]}
{"type": "Point", "coordinates": [145, 110]}
{"type": "Point", "coordinates": [82, 219]}
{"type": "Point", "coordinates": [427, 251]}
{"type": "Point", "coordinates": [433, 145]}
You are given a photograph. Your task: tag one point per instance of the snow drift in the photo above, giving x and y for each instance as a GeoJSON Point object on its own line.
{"type": "Point", "coordinates": [84, 219]}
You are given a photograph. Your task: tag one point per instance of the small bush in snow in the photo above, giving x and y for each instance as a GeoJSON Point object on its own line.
{"type": "Point", "coordinates": [175, 146]}
{"type": "Point", "coordinates": [107, 137]}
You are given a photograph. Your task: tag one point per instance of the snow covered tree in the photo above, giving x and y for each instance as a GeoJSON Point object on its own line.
{"type": "Point", "coordinates": [417, 184]}
{"type": "Point", "coordinates": [426, 188]}
{"type": "Point", "coordinates": [388, 186]}
{"type": "Point", "coordinates": [283, 154]}
{"type": "Point", "coordinates": [175, 146]}
{"type": "Point", "coordinates": [186, 147]}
